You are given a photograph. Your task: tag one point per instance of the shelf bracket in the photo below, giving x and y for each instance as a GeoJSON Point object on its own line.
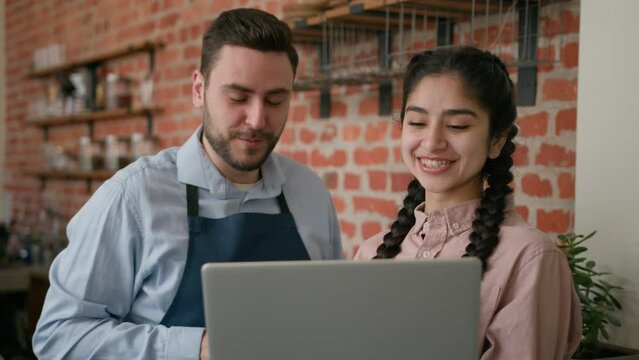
{"type": "Point", "coordinates": [149, 122]}
{"type": "Point", "coordinates": [325, 68]}
{"type": "Point", "coordinates": [384, 42]}
{"type": "Point", "coordinates": [445, 31]}
{"type": "Point", "coordinates": [151, 62]}
{"type": "Point", "coordinates": [527, 62]}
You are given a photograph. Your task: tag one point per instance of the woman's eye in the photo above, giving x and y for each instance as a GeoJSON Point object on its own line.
{"type": "Point", "coordinates": [458, 127]}
{"type": "Point", "coordinates": [415, 123]}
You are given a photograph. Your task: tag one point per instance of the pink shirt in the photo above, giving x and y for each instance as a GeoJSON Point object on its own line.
{"type": "Point", "coordinates": [529, 308]}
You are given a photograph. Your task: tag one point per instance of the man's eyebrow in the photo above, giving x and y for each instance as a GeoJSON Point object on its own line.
{"type": "Point", "coordinates": [238, 87]}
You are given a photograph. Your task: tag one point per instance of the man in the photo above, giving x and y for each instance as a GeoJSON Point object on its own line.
{"type": "Point", "coordinates": [128, 285]}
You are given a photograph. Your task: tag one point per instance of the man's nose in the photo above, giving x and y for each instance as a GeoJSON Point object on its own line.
{"type": "Point", "coordinates": [255, 115]}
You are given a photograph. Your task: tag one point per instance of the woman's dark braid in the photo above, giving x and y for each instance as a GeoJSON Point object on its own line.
{"type": "Point", "coordinates": [405, 221]}
{"type": "Point", "coordinates": [490, 213]}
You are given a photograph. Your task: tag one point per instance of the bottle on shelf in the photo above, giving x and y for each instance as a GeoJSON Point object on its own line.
{"type": "Point", "coordinates": [85, 154]}
{"type": "Point", "coordinates": [111, 153]}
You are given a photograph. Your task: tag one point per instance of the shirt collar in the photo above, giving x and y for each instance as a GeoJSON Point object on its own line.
{"type": "Point", "coordinates": [458, 218]}
{"type": "Point", "coordinates": [194, 167]}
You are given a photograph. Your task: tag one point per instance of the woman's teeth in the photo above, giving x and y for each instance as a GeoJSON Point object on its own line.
{"type": "Point", "coordinates": [434, 164]}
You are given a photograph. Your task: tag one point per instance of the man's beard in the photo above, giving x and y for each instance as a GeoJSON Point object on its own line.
{"type": "Point", "coordinates": [222, 145]}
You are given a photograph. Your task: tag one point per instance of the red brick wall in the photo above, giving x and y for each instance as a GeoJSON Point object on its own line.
{"type": "Point", "coordinates": [355, 152]}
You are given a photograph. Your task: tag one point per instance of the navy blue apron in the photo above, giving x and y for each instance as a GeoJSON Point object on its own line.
{"type": "Point", "coordinates": [239, 237]}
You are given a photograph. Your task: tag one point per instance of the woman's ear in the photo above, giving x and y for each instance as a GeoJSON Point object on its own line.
{"type": "Point", "coordinates": [496, 144]}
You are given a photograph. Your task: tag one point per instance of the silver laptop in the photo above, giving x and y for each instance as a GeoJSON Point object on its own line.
{"type": "Point", "coordinates": [343, 310]}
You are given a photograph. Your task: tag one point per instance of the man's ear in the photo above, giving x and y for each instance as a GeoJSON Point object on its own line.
{"type": "Point", "coordinates": [198, 88]}
{"type": "Point", "coordinates": [496, 144]}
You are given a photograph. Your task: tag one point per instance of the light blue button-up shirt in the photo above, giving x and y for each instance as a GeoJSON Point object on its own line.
{"type": "Point", "coordinates": [112, 285]}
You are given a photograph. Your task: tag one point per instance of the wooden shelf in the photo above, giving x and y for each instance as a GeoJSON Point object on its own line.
{"type": "Point", "coordinates": [103, 115]}
{"type": "Point", "coordinates": [99, 175]}
{"type": "Point", "coordinates": [95, 59]}
{"type": "Point", "coordinates": [371, 13]}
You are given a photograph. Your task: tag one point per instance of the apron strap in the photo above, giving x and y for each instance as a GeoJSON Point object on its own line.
{"type": "Point", "coordinates": [192, 205]}
{"type": "Point", "coordinates": [282, 202]}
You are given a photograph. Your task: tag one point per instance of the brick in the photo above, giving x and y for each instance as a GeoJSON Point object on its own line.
{"type": "Point", "coordinates": [387, 208]}
{"type": "Point", "coordinates": [351, 181]}
{"type": "Point", "coordinates": [566, 120]}
{"type": "Point", "coordinates": [375, 156]}
{"type": "Point", "coordinates": [300, 156]}
{"type": "Point", "coordinates": [396, 130]}
{"type": "Point", "coordinates": [397, 102]}
{"type": "Point", "coordinates": [546, 58]}
{"type": "Point", "coordinates": [533, 125]}
{"type": "Point", "coordinates": [570, 55]}
{"type": "Point", "coordinates": [397, 154]}
{"type": "Point", "coordinates": [370, 228]}
{"type": "Point", "coordinates": [169, 20]}
{"type": "Point", "coordinates": [329, 133]}
{"type": "Point", "coordinates": [560, 89]}
{"type": "Point", "coordinates": [369, 106]}
{"type": "Point", "coordinates": [338, 109]}
{"type": "Point", "coordinates": [330, 180]}
{"type": "Point", "coordinates": [307, 136]}
{"type": "Point", "coordinates": [566, 184]}
{"type": "Point", "coordinates": [339, 202]}
{"type": "Point", "coordinates": [553, 221]}
{"type": "Point", "coordinates": [533, 185]}
{"type": "Point", "coordinates": [377, 180]}
{"type": "Point", "coordinates": [555, 155]}
{"type": "Point", "coordinates": [336, 158]}
{"type": "Point", "coordinates": [376, 131]}
{"type": "Point", "coordinates": [347, 228]}
{"type": "Point", "coordinates": [522, 211]}
{"type": "Point", "coordinates": [351, 132]}
{"type": "Point", "coordinates": [569, 22]}
{"type": "Point", "coordinates": [520, 156]}
{"type": "Point", "coordinates": [299, 113]}
{"type": "Point", "coordinates": [356, 89]}
{"type": "Point", "coordinates": [192, 52]}
{"type": "Point", "coordinates": [400, 181]}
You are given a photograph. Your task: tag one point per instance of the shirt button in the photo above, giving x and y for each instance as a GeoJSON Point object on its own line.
{"type": "Point", "coordinates": [455, 226]}
{"type": "Point", "coordinates": [426, 254]}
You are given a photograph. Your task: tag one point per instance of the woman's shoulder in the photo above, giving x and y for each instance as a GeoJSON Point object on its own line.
{"type": "Point", "coordinates": [519, 236]}
{"type": "Point", "coordinates": [368, 249]}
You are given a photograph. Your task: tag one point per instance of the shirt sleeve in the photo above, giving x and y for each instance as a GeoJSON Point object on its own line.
{"type": "Point", "coordinates": [336, 240]}
{"type": "Point", "coordinates": [539, 316]}
{"type": "Point", "coordinates": [93, 286]}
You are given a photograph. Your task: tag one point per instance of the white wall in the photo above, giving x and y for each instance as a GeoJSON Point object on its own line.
{"type": "Point", "coordinates": [4, 201]}
{"type": "Point", "coordinates": [607, 180]}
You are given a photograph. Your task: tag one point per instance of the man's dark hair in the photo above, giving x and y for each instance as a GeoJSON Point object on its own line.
{"type": "Point", "coordinates": [250, 28]}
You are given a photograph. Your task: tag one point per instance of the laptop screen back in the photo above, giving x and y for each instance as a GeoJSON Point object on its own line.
{"type": "Point", "coordinates": [364, 310]}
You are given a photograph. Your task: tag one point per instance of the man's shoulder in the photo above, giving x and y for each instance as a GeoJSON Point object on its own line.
{"type": "Point", "coordinates": [299, 176]}
{"type": "Point", "coordinates": [156, 168]}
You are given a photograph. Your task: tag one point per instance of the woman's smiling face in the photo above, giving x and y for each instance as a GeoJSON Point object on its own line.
{"type": "Point", "coordinates": [445, 140]}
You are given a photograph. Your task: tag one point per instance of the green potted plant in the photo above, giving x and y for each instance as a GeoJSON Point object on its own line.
{"type": "Point", "coordinates": [598, 302]}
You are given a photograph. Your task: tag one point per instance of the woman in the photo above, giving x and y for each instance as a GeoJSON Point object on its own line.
{"type": "Point", "coordinates": [458, 124]}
